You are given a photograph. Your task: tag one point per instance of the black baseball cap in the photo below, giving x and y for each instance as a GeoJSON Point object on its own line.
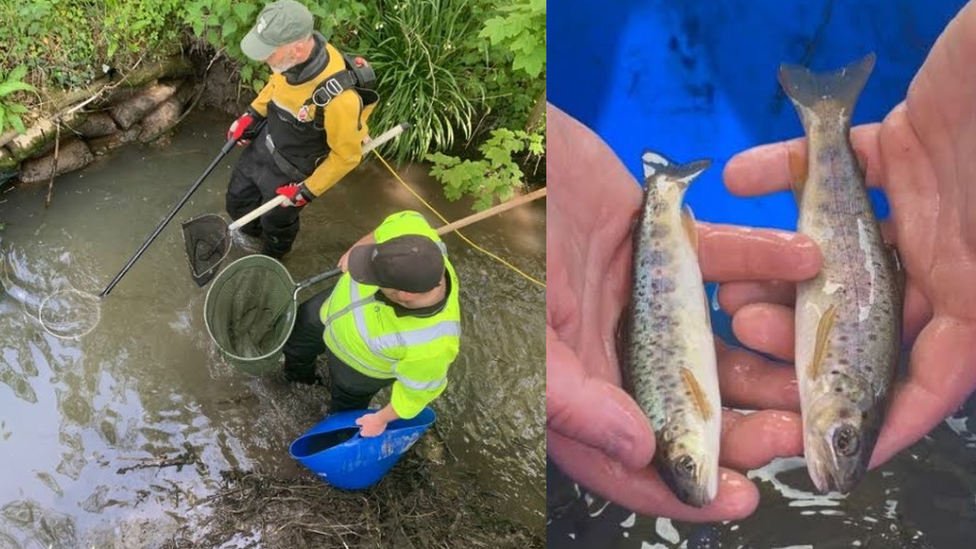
{"type": "Point", "coordinates": [410, 263]}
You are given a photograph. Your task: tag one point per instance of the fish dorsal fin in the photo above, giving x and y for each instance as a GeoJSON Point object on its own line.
{"type": "Point", "coordinates": [824, 327]}
{"type": "Point", "coordinates": [698, 397]}
{"type": "Point", "coordinates": [798, 175]}
{"type": "Point", "coordinates": [688, 222]}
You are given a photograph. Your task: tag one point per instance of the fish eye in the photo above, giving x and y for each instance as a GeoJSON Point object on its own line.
{"type": "Point", "coordinates": [846, 441]}
{"type": "Point", "coordinates": [684, 466]}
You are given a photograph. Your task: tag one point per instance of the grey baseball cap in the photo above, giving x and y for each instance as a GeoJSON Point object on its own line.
{"type": "Point", "coordinates": [280, 23]}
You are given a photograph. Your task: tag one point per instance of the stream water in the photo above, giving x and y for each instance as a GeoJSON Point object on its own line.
{"type": "Point", "coordinates": [87, 425]}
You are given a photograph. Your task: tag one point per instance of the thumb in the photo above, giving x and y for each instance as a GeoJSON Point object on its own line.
{"type": "Point", "coordinates": [594, 411]}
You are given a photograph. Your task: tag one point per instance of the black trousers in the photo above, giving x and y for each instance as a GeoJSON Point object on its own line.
{"type": "Point", "coordinates": [351, 390]}
{"type": "Point", "coordinates": [252, 183]}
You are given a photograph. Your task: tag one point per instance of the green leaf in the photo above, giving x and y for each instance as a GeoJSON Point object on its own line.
{"type": "Point", "coordinates": [230, 27]}
{"type": "Point", "coordinates": [17, 123]}
{"type": "Point", "coordinates": [17, 74]}
{"type": "Point", "coordinates": [247, 72]}
{"type": "Point", "coordinates": [537, 148]}
{"type": "Point", "coordinates": [244, 11]}
{"type": "Point", "coordinates": [483, 202]}
{"type": "Point", "coordinates": [531, 63]}
{"type": "Point", "coordinates": [198, 27]}
{"type": "Point", "coordinates": [9, 87]}
{"type": "Point", "coordinates": [506, 194]}
{"type": "Point", "coordinates": [17, 109]}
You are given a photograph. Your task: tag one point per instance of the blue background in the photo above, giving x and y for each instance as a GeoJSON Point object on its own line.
{"type": "Point", "coordinates": [698, 79]}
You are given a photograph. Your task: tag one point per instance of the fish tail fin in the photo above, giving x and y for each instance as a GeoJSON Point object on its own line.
{"type": "Point", "coordinates": [656, 164]}
{"type": "Point", "coordinates": [809, 89]}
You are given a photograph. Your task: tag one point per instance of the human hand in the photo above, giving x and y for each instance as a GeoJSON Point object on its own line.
{"type": "Point", "coordinates": [239, 129]}
{"type": "Point", "coordinates": [344, 261]}
{"type": "Point", "coordinates": [297, 194]}
{"type": "Point", "coordinates": [921, 156]}
{"type": "Point", "coordinates": [372, 425]}
{"type": "Point", "coordinates": [595, 431]}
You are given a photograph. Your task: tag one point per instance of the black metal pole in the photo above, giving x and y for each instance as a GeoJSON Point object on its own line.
{"type": "Point", "coordinates": [223, 152]}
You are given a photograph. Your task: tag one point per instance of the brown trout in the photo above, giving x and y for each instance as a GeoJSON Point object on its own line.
{"type": "Point", "coordinates": [848, 318]}
{"type": "Point", "coordinates": [669, 361]}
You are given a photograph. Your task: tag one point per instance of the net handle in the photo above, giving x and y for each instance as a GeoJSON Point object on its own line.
{"type": "Point", "coordinates": [465, 221]}
{"type": "Point", "coordinates": [318, 278]}
{"type": "Point", "coordinates": [280, 199]}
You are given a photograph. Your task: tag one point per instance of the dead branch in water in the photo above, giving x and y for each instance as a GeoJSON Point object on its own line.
{"type": "Point", "coordinates": [54, 170]}
{"type": "Point", "coordinates": [188, 457]}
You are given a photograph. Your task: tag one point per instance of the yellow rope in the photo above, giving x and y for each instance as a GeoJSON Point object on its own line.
{"type": "Point", "coordinates": [473, 245]}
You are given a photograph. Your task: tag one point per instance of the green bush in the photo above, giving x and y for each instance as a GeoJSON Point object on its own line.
{"type": "Point", "coordinates": [496, 174]}
{"type": "Point", "coordinates": [10, 111]}
{"type": "Point", "coordinates": [65, 43]}
{"type": "Point", "coordinates": [418, 49]}
{"type": "Point", "coordinates": [457, 70]}
{"type": "Point", "coordinates": [223, 23]}
{"type": "Point", "coordinates": [517, 34]}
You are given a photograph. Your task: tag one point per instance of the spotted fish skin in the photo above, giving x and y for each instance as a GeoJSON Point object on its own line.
{"type": "Point", "coordinates": [848, 318]}
{"type": "Point", "coordinates": [669, 363]}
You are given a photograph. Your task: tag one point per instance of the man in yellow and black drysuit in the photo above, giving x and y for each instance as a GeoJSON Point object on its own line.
{"type": "Point", "coordinates": [394, 317]}
{"type": "Point", "coordinates": [308, 123]}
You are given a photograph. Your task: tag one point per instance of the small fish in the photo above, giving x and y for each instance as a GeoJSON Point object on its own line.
{"type": "Point", "coordinates": [669, 363]}
{"type": "Point", "coordinates": [848, 318]}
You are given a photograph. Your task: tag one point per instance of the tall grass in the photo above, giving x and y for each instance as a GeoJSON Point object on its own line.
{"type": "Point", "coordinates": [422, 52]}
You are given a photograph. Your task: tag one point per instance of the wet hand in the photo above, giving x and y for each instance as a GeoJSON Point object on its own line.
{"type": "Point", "coordinates": [296, 193]}
{"type": "Point", "coordinates": [595, 431]}
{"type": "Point", "coordinates": [921, 157]}
{"type": "Point", "coordinates": [372, 425]}
{"type": "Point", "coordinates": [344, 261]}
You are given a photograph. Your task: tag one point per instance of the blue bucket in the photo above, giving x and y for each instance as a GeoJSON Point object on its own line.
{"type": "Point", "coordinates": [334, 450]}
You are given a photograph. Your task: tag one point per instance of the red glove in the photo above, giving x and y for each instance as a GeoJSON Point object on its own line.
{"type": "Point", "coordinates": [297, 194]}
{"type": "Point", "coordinates": [238, 130]}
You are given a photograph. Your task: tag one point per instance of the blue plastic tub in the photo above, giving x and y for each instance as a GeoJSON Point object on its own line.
{"type": "Point", "coordinates": [334, 450]}
{"type": "Point", "coordinates": [698, 79]}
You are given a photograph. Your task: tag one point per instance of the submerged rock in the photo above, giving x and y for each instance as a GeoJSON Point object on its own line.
{"type": "Point", "coordinates": [72, 155]}
{"type": "Point", "coordinates": [102, 145]}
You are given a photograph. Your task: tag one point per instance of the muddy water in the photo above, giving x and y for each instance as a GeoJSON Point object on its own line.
{"type": "Point", "coordinates": [109, 440]}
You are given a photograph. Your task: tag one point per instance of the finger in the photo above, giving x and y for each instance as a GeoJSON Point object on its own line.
{"type": "Point", "coordinates": [732, 296]}
{"type": "Point", "coordinates": [750, 441]}
{"type": "Point", "coordinates": [766, 168]}
{"type": "Point", "coordinates": [942, 373]}
{"type": "Point", "coordinates": [728, 252]}
{"type": "Point", "coordinates": [747, 380]}
{"type": "Point", "coordinates": [918, 312]}
{"type": "Point", "coordinates": [641, 490]}
{"type": "Point", "coordinates": [767, 328]}
{"type": "Point", "coordinates": [592, 410]}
